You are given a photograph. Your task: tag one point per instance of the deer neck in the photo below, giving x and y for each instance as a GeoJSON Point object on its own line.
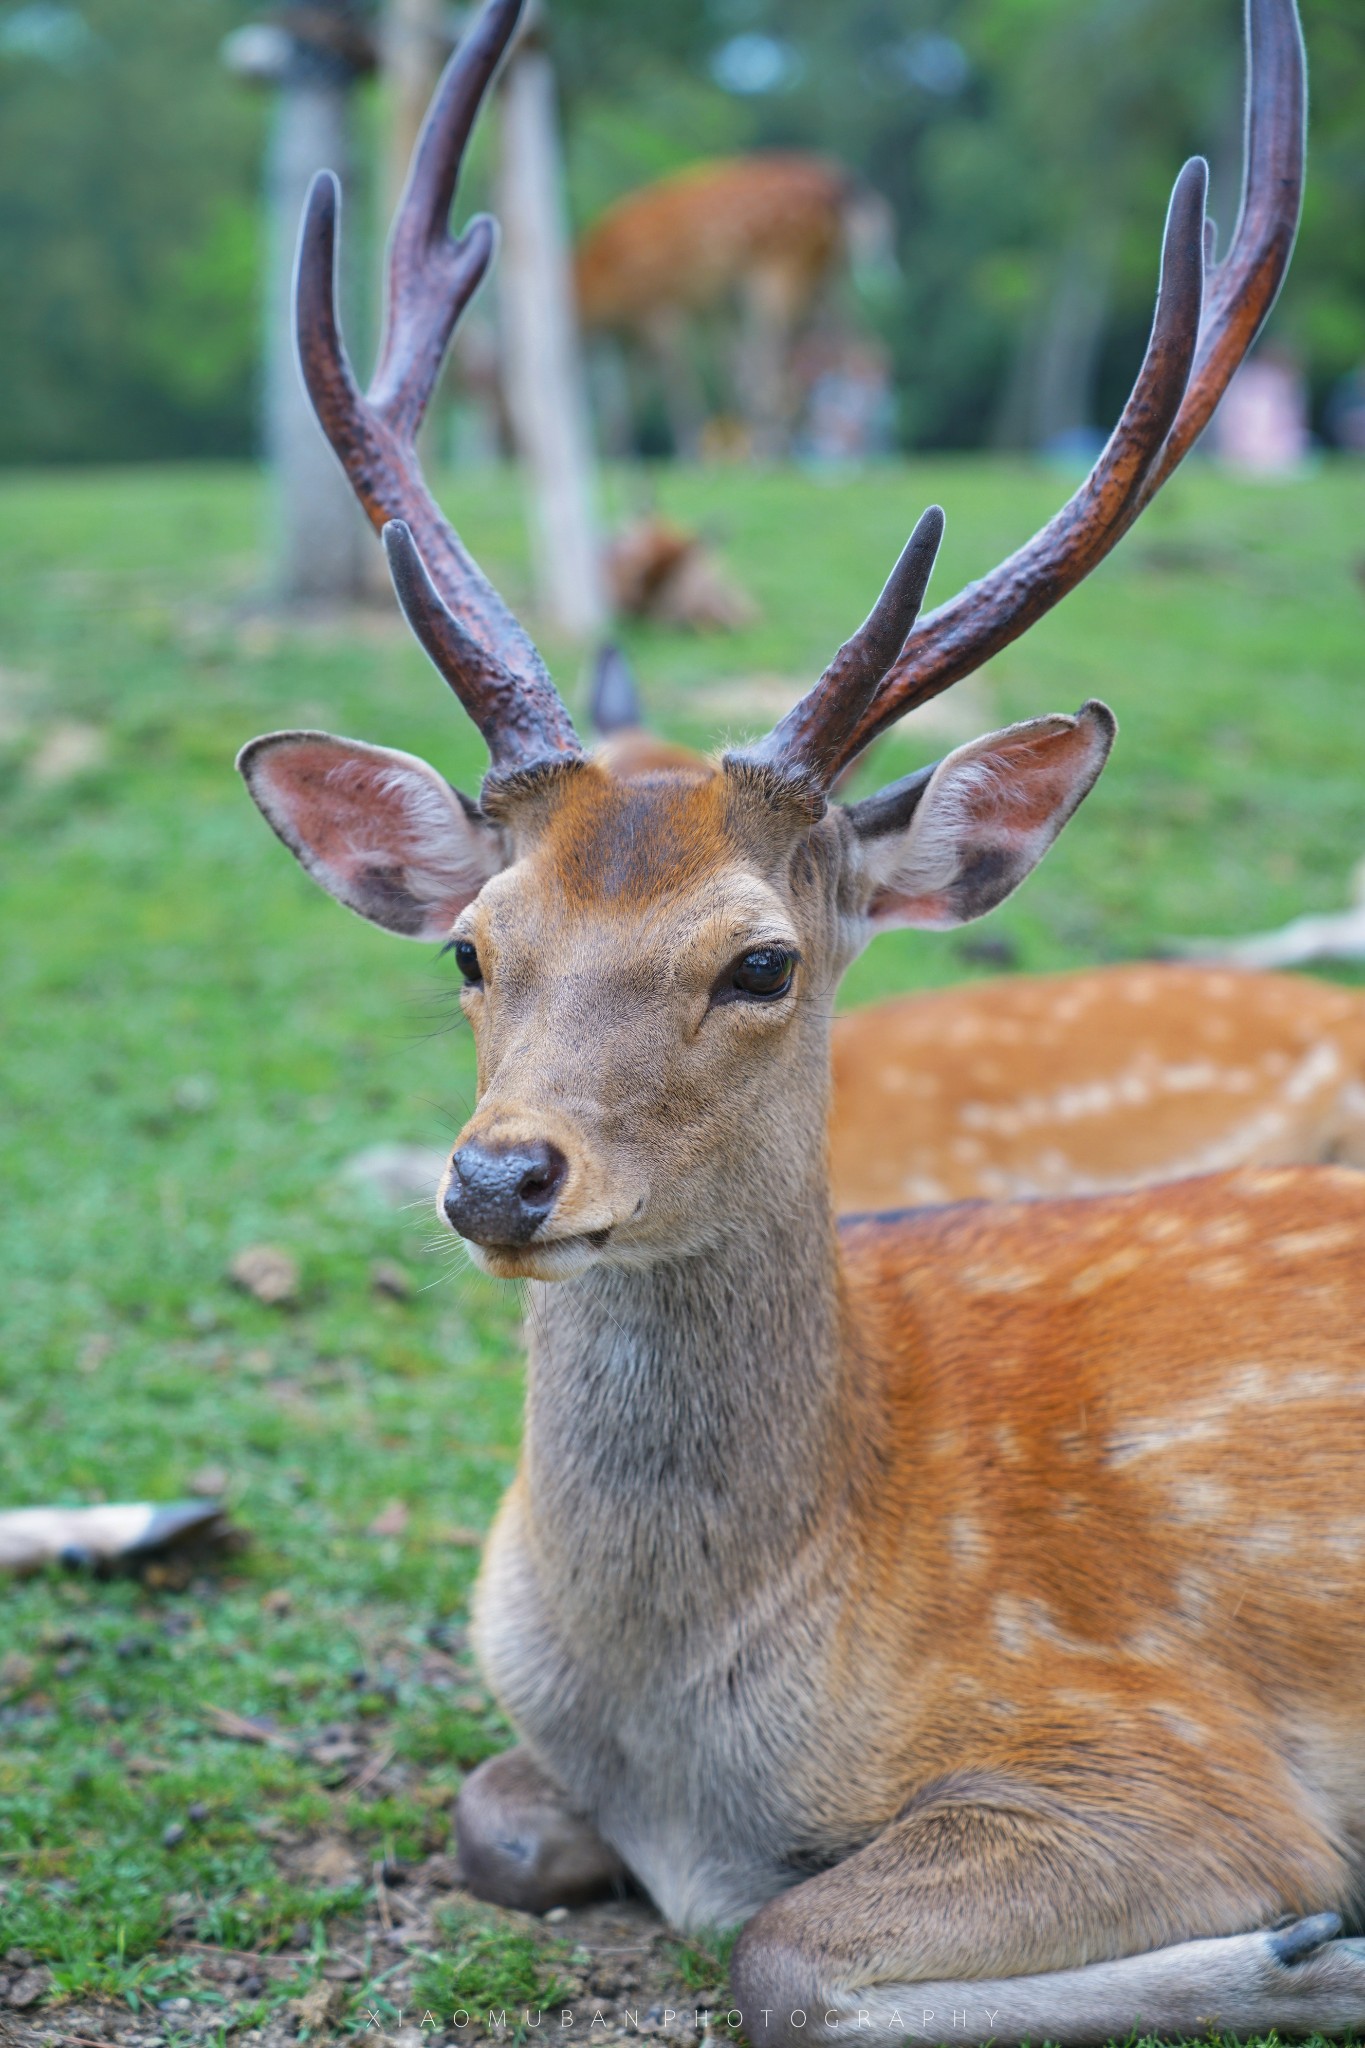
{"type": "Point", "coordinates": [684, 1419]}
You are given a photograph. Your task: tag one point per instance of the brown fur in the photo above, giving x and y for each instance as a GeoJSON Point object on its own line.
{"type": "Point", "coordinates": [1105, 1078]}
{"type": "Point", "coordinates": [1075, 1670]}
{"type": "Point", "coordinates": [686, 240]}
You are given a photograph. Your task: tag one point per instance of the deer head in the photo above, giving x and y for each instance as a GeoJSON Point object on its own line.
{"type": "Point", "coordinates": [650, 961]}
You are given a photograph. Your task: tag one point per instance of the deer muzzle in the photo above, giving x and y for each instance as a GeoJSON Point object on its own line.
{"type": "Point", "coordinates": [502, 1194]}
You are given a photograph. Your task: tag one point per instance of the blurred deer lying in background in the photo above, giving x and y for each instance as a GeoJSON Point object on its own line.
{"type": "Point", "coordinates": [1329, 935]}
{"type": "Point", "coordinates": [769, 232]}
{"type": "Point", "coordinates": [1064, 1084]}
{"type": "Point", "coordinates": [1105, 1078]}
{"type": "Point", "coordinates": [967, 1600]}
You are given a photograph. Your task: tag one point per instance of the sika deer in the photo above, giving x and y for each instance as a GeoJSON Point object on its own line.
{"type": "Point", "coordinates": [770, 231]}
{"type": "Point", "coordinates": [967, 1601]}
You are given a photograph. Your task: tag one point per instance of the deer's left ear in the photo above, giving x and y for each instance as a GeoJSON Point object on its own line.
{"type": "Point", "coordinates": [381, 831]}
{"type": "Point", "coordinates": [950, 842]}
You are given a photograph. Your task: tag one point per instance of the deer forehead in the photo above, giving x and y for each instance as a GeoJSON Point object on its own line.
{"type": "Point", "coordinates": [645, 838]}
{"type": "Point", "coordinates": [675, 860]}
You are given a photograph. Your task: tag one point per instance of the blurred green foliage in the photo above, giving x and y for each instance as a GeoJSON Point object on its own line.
{"type": "Point", "coordinates": [1024, 144]}
{"type": "Point", "coordinates": [130, 235]}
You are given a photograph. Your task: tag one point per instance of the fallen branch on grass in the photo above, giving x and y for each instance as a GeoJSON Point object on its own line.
{"type": "Point", "coordinates": [237, 1728]}
{"type": "Point", "coordinates": [126, 1534]}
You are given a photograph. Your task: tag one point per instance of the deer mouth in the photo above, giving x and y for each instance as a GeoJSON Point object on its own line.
{"type": "Point", "coordinates": [543, 1258]}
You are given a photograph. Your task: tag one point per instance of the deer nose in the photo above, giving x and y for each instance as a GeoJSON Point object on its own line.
{"type": "Point", "coordinates": [501, 1194]}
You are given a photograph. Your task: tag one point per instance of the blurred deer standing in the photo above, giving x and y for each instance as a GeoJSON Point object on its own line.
{"type": "Point", "coordinates": [1065, 1084]}
{"type": "Point", "coordinates": [769, 232]}
{"type": "Point", "coordinates": [966, 1600]}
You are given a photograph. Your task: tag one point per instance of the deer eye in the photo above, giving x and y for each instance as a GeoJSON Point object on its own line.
{"type": "Point", "coordinates": [467, 960]}
{"type": "Point", "coordinates": [762, 975]}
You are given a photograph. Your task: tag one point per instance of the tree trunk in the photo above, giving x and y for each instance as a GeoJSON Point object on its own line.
{"type": "Point", "coordinates": [544, 373]}
{"type": "Point", "coordinates": [319, 533]}
{"type": "Point", "coordinates": [1051, 387]}
{"type": "Point", "coordinates": [416, 42]}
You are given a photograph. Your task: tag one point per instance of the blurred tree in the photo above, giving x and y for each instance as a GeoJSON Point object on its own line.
{"type": "Point", "coordinates": [129, 233]}
{"type": "Point", "coordinates": [542, 365]}
{"type": "Point", "coordinates": [1323, 313]}
{"type": "Point", "coordinates": [414, 42]}
{"type": "Point", "coordinates": [309, 59]}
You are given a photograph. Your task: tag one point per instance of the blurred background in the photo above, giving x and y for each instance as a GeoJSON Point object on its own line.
{"type": "Point", "coordinates": [786, 270]}
{"type": "Point", "coordinates": [1024, 153]}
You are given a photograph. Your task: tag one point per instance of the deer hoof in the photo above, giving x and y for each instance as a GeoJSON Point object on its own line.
{"type": "Point", "coordinates": [522, 1845]}
{"type": "Point", "coordinates": [1303, 1938]}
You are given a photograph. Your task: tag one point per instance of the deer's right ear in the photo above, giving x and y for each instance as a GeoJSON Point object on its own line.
{"type": "Point", "coordinates": [380, 830]}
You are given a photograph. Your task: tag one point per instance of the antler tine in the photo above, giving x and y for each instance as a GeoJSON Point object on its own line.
{"type": "Point", "coordinates": [497, 702]}
{"type": "Point", "coordinates": [1245, 285]}
{"type": "Point", "coordinates": [812, 737]}
{"type": "Point", "coordinates": [987, 615]}
{"type": "Point", "coordinates": [979, 621]}
{"type": "Point", "coordinates": [424, 259]}
{"type": "Point", "coordinates": [432, 277]}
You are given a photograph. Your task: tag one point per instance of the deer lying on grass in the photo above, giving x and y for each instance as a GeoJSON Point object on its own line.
{"type": "Point", "coordinates": [1065, 1084]}
{"type": "Point", "coordinates": [1112, 1077]}
{"type": "Point", "coordinates": [968, 1600]}
{"type": "Point", "coordinates": [1330, 935]}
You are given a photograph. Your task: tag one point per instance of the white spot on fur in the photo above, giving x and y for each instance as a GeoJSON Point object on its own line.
{"type": "Point", "coordinates": [1323, 1064]}
{"type": "Point", "coordinates": [1265, 1541]}
{"type": "Point", "coordinates": [967, 1541]}
{"type": "Point", "coordinates": [1305, 1244]}
{"type": "Point", "coordinates": [1199, 1499]}
{"type": "Point", "coordinates": [999, 1278]}
{"type": "Point", "coordinates": [1159, 1228]}
{"type": "Point", "coordinates": [1025, 1626]}
{"type": "Point", "coordinates": [1194, 1594]}
{"type": "Point", "coordinates": [1219, 1273]}
{"type": "Point", "coordinates": [1091, 1278]}
{"type": "Point", "coordinates": [1007, 1444]}
{"type": "Point", "coordinates": [1182, 1725]}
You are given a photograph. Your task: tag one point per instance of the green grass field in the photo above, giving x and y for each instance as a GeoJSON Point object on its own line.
{"type": "Point", "coordinates": [193, 1041]}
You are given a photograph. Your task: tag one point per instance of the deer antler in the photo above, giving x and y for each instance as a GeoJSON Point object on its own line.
{"type": "Point", "coordinates": [1197, 341]}
{"type": "Point", "coordinates": [476, 644]}
{"type": "Point", "coordinates": [1244, 286]}
{"type": "Point", "coordinates": [813, 738]}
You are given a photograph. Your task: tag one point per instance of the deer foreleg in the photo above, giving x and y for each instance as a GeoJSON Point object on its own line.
{"type": "Point", "coordinates": [770, 308]}
{"type": "Point", "coordinates": [1298, 1981]}
{"type": "Point", "coordinates": [684, 399]}
{"type": "Point", "coordinates": [959, 1927]}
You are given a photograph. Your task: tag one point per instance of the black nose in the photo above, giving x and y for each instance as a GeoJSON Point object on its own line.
{"type": "Point", "coordinates": [501, 1194]}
